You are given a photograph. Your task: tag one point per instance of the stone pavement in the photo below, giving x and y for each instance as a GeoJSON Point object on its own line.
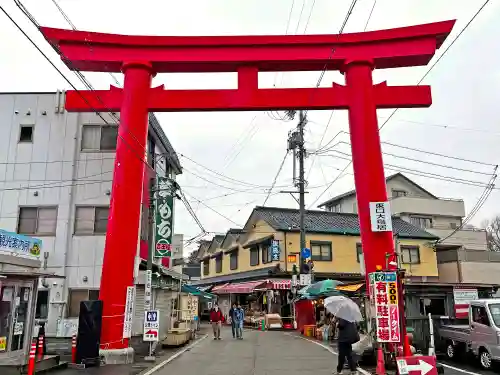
{"type": "Point", "coordinates": [259, 353]}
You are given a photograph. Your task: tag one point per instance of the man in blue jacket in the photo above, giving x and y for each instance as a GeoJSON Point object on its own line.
{"type": "Point", "coordinates": [239, 316]}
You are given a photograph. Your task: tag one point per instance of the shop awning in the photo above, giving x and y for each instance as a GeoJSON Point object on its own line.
{"type": "Point", "coordinates": [275, 284]}
{"type": "Point", "coordinates": [197, 292]}
{"type": "Point", "coordinates": [204, 288]}
{"type": "Point", "coordinates": [216, 288]}
{"type": "Point", "coordinates": [238, 288]}
{"type": "Point", "coordinates": [349, 287]}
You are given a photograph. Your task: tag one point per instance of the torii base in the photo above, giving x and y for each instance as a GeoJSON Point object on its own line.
{"type": "Point", "coordinates": [117, 356]}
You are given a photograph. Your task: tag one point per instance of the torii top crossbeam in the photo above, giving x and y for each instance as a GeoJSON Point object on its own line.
{"type": "Point", "coordinates": [247, 55]}
{"type": "Point", "coordinates": [393, 48]}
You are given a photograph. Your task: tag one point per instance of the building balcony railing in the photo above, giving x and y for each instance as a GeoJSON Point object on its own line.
{"type": "Point", "coordinates": [425, 206]}
{"type": "Point", "coordinates": [470, 239]}
{"type": "Point", "coordinates": [469, 266]}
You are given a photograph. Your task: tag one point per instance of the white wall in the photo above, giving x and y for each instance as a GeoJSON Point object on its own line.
{"type": "Point", "coordinates": [70, 177]}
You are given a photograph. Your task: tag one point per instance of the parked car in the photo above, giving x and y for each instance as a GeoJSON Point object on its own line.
{"type": "Point", "coordinates": [481, 337]}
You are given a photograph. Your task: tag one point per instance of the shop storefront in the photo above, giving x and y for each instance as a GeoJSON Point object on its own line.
{"type": "Point", "coordinates": [19, 274]}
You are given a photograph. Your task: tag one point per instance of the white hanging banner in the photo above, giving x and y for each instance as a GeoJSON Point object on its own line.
{"type": "Point", "coordinates": [148, 290]}
{"type": "Point", "coordinates": [129, 313]}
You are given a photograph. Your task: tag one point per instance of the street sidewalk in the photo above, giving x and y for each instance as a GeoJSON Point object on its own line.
{"type": "Point", "coordinates": [259, 353]}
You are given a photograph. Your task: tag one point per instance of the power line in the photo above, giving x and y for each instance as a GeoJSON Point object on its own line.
{"type": "Point", "coordinates": [239, 182]}
{"type": "Point", "coordinates": [370, 15]}
{"type": "Point", "coordinates": [23, 9]}
{"type": "Point", "coordinates": [427, 162]}
{"type": "Point", "coordinates": [440, 57]}
{"type": "Point", "coordinates": [215, 211]}
{"type": "Point", "coordinates": [423, 174]}
{"type": "Point", "coordinates": [418, 83]}
{"type": "Point", "coordinates": [275, 179]}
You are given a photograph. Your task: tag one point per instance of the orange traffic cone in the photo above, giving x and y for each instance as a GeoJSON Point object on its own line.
{"type": "Point", "coordinates": [406, 347]}
{"type": "Point", "coordinates": [380, 362]}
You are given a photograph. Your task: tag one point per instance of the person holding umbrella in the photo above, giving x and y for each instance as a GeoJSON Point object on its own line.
{"type": "Point", "coordinates": [347, 314]}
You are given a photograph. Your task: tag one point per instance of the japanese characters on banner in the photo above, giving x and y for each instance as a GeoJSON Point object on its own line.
{"type": "Point", "coordinates": [164, 217]}
{"type": "Point", "coordinates": [380, 217]}
{"type": "Point", "coordinates": [385, 294]}
{"type": "Point", "coordinates": [275, 250]}
{"type": "Point", "coordinates": [129, 312]}
{"type": "Point", "coordinates": [148, 288]}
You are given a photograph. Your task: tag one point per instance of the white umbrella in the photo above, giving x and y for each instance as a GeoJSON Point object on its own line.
{"type": "Point", "coordinates": [343, 308]}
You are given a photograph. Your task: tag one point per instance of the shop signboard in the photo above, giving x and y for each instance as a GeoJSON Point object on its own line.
{"type": "Point", "coordinates": [385, 295]}
{"type": "Point", "coordinates": [19, 245]}
{"type": "Point", "coordinates": [164, 217]}
{"type": "Point", "coordinates": [462, 298]}
{"type": "Point", "coordinates": [275, 250]}
{"type": "Point", "coordinates": [380, 217]}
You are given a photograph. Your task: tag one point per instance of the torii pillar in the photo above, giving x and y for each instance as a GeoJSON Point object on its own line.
{"type": "Point", "coordinates": [139, 57]}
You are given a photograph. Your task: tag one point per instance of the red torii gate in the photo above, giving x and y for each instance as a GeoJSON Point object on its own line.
{"type": "Point", "coordinates": [141, 57]}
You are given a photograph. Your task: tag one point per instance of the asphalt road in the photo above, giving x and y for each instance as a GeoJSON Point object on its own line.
{"type": "Point", "coordinates": [467, 366]}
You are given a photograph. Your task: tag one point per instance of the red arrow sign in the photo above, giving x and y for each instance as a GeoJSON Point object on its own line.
{"type": "Point", "coordinates": [155, 333]}
{"type": "Point", "coordinates": [418, 365]}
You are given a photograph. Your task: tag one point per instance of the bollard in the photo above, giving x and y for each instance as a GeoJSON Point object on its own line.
{"type": "Point", "coordinates": [40, 348]}
{"type": "Point", "coordinates": [263, 325]}
{"type": "Point", "coordinates": [73, 349]}
{"type": "Point", "coordinates": [31, 360]}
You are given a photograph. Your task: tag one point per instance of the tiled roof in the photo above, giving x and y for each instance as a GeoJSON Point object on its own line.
{"type": "Point", "coordinates": [286, 219]}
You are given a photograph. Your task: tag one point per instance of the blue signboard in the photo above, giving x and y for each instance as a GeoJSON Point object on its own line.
{"type": "Point", "coordinates": [306, 252]}
{"type": "Point", "coordinates": [275, 250]}
{"type": "Point", "coordinates": [19, 245]}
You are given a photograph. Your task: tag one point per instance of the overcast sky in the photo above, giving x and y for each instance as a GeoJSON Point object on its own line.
{"type": "Point", "coordinates": [249, 147]}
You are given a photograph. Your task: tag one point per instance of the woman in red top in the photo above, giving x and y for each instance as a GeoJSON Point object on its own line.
{"type": "Point", "coordinates": [216, 319]}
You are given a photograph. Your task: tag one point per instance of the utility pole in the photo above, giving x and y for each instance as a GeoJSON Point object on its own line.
{"type": "Point", "coordinates": [296, 144]}
{"type": "Point", "coordinates": [301, 184]}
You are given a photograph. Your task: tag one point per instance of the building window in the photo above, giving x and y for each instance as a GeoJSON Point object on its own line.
{"type": "Point", "coordinates": [399, 193]}
{"type": "Point", "coordinates": [267, 255]}
{"type": "Point", "coordinates": [254, 256]}
{"type": "Point", "coordinates": [434, 306]}
{"type": "Point", "coordinates": [91, 220]}
{"type": "Point", "coordinates": [26, 134]}
{"type": "Point", "coordinates": [421, 222]}
{"type": "Point", "coordinates": [233, 260]}
{"type": "Point", "coordinates": [337, 208]}
{"type": "Point", "coordinates": [359, 252]}
{"type": "Point", "coordinates": [321, 251]}
{"type": "Point", "coordinates": [99, 137]}
{"type": "Point", "coordinates": [410, 254]}
{"type": "Point", "coordinates": [78, 295]}
{"type": "Point", "coordinates": [206, 267]}
{"type": "Point", "coordinates": [42, 305]}
{"type": "Point", "coordinates": [37, 220]}
{"type": "Point", "coordinates": [218, 264]}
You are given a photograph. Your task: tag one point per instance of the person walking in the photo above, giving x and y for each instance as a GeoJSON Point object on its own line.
{"type": "Point", "coordinates": [348, 335]}
{"type": "Point", "coordinates": [239, 316]}
{"type": "Point", "coordinates": [216, 319]}
{"type": "Point", "coordinates": [231, 316]}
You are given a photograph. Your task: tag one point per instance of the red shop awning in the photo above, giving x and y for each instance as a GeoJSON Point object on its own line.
{"type": "Point", "coordinates": [238, 288]}
{"type": "Point", "coordinates": [216, 288]}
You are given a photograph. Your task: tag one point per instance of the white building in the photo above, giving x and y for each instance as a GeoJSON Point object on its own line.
{"type": "Point", "coordinates": [56, 170]}
{"type": "Point", "coordinates": [462, 254]}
